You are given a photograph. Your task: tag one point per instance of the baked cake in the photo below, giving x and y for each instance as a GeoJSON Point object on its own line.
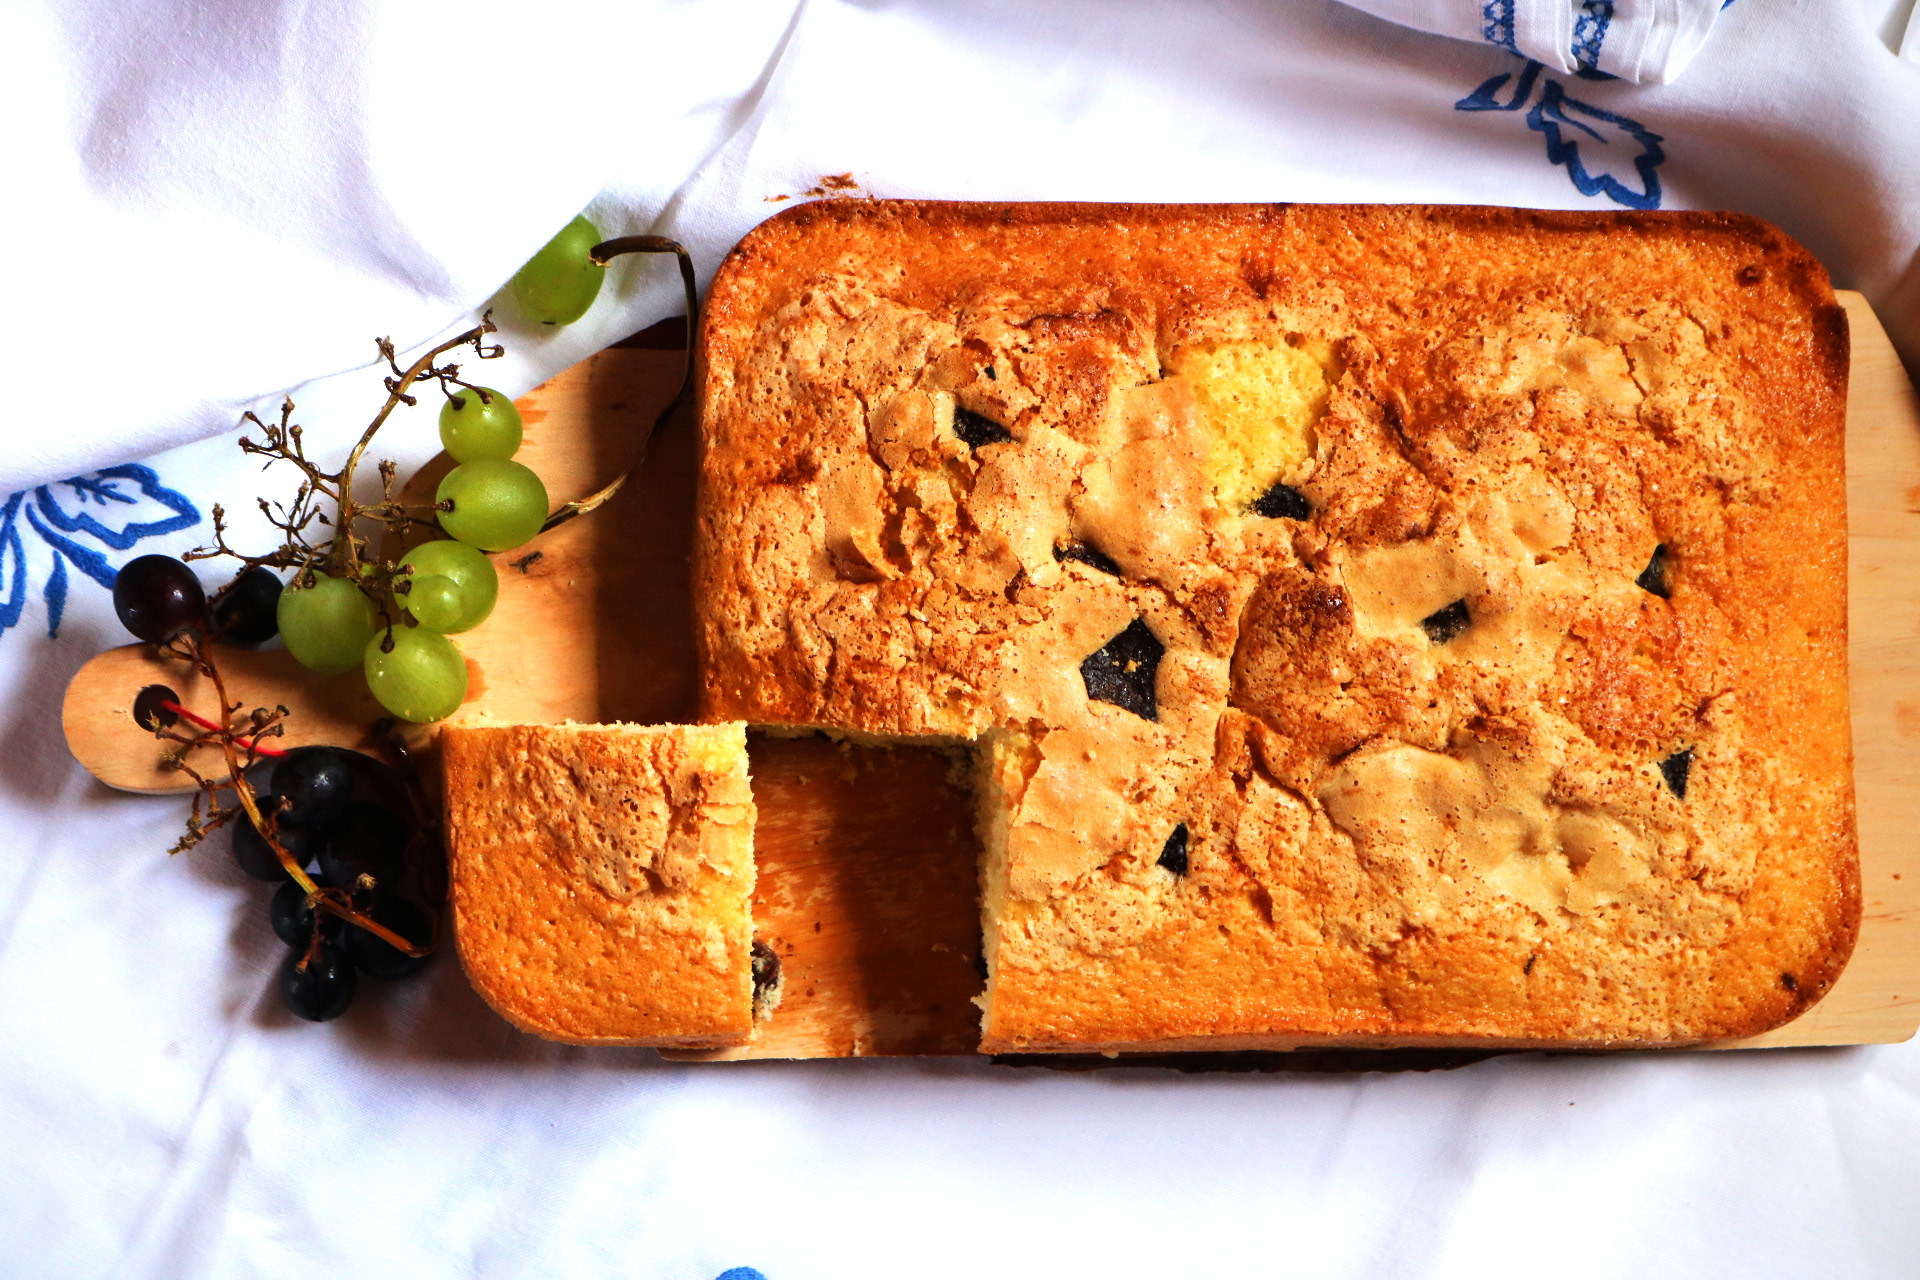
{"type": "Point", "coordinates": [1378, 625]}
{"type": "Point", "coordinates": [602, 879]}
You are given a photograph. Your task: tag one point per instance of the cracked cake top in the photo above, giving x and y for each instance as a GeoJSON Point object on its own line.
{"type": "Point", "coordinates": [602, 878]}
{"type": "Point", "coordinates": [1405, 623]}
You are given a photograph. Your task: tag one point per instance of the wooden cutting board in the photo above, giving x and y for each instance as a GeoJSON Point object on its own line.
{"type": "Point", "coordinates": [867, 857]}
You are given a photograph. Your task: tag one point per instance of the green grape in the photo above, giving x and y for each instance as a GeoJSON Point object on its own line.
{"type": "Point", "coordinates": [472, 429]}
{"type": "Point", "coordinates": [496, 505]}
{"type": "Point", "coordinates": [435, 602]}
{"type": "Point", "coordinates": [422, 678]}
{"type": "Point", "coordinates": [470, 571]}
{"type": "Point", "coordinates": [560, 282]}
{"type": "Point", "coordinates": [326, 625]}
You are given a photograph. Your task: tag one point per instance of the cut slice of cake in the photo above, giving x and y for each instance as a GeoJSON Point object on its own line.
{"type": "Point", "coordinates": [603, 879]}
{"type": "Point", "coordinates": [1383, 625]}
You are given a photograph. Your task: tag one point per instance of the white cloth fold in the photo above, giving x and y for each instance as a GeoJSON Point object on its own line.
{"type": "Point", "coordinates": [211, 203]}
{"type": "Point", "coordinates": [1642, 41]}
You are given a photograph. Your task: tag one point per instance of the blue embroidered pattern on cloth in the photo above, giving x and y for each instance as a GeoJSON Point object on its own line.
{"type": "Point", "coordinates": [116, 508]}
{"type": "Point", "coordinates": [1496, 24]}
{"type": "Point", "coordinates": [1561, 119]}
{"type": "Point", "coordinates": [740, 1273]}
{"type": "Point", "coordinates": [1590, 32]}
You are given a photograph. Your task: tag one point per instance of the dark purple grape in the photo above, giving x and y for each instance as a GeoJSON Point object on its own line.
{"type": "Point", "coordinates": [293, 919]}
{"type": "Point", "coordinates": [364, 840]}
{"type": "Point", "coordinates": [377, 781]}
{"type": "Point", "coordinates": [1446, 625]}
{"type": "Point", "coordinates": [312, 782]}
{"type": "Point", "coordinates": [247, 612]}
{"type": "Point", "coordinates": [157, 597]}
{"type": "Point", "coordinates": [1283, 502]}
{"type": "Point", "coordinates": [1122, 671]}
{"type": "Point", "coordinates": [379, 958]}
{"type": "Point", "coordinates": [322, 991]}
{"type": "Point", "coordinates": [256, 857]}
{"type": "Point", "coordinates": [978, 429]}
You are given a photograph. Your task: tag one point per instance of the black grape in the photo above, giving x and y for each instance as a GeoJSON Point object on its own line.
{"type": "Point", "coordinates": [157, 597]}
{"type": "Point", "coordinates": [321, 991]}
{"type": "Point", "coordinates": [364, 840]}
{"type": "Point", "coordinates": [293, 919]}
{"type": "Point", "coordinates": [377, 957]}
{"type": "Point", "coordinates": [248, 611]}
{"type": "Point", "coordinates": [256, 858]}
{"type": "Point", "coordinates": [313, 782]}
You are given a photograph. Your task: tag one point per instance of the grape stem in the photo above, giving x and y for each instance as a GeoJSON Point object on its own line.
{"type": "Point", "coordinates": [345, 552]}
{"type": "Point", "coordinates": [314, 540]}
{"type": "Point", "coordinates": [601, 254]}
{"type": "Point", "coordinates": [339, 553]}
{"type": "Point", "coordinates": [252, 744]}
{"type": "Point", "coordinates": [335, 901]}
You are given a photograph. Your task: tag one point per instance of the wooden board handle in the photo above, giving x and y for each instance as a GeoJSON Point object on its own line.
{"type": "Point", "coordinates": [104, 737]}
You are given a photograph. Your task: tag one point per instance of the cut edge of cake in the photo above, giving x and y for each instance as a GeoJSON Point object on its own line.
{"type": "Point", "coordinates": [602, 879]}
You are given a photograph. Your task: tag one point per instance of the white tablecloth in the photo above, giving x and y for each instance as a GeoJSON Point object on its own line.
{"type": "Point", "coordinates": [224, 202]}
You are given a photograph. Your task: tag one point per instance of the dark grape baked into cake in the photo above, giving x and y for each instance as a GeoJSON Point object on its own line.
{"type": "Point", "coordinates": [1375, 625]}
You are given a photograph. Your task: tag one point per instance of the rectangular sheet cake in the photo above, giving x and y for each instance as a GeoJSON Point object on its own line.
{"type": "Point", "coordinates": [1373, 625]}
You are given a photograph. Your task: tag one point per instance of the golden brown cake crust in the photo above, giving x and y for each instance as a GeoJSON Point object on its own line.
{"type": "Point", "coordinates": [602, 878]}
{"type": "Point", "coordinates": [1449, 756]}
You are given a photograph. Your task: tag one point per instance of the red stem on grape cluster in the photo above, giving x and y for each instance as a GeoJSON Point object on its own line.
{"type": "Point", "coordinates": [252, 744]}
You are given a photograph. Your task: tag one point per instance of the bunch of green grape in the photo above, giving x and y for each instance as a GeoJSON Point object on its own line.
{"type": "Point", "coordinates": [488, 502]}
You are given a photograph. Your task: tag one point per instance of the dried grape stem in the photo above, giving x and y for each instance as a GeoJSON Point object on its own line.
{"type": "Point", "coordinates": [340, 556]}
{"type": "Point", "coordinates": [316, 896]}
{"type": "Point", "coordinates": [252, 744]}
{"type": "Point", "coordinates": [419, 371]}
